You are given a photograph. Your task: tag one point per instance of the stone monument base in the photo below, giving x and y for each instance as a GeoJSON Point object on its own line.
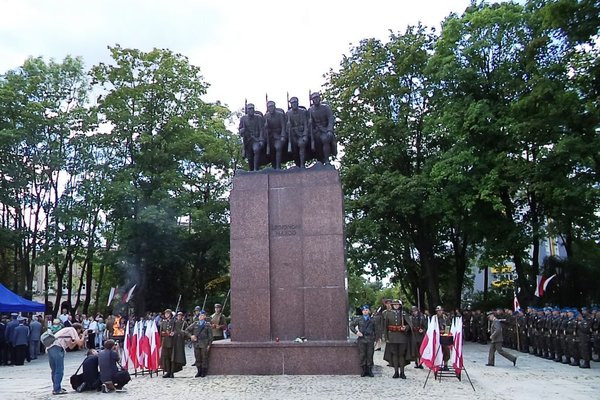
{"type": "Point", "coordinates": [331, 357]}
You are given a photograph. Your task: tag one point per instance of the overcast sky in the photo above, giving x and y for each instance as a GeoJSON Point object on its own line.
{"type": "Point", "coordinates": [244, 48]}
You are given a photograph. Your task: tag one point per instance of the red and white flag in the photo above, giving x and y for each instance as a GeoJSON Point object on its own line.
{"type": "Point", "coordinates": [133, 346]}
{"type": "Point", "coordinates": [456, 353]}
{"type": "Point", "coordinates": [155, 346]}
{"type": "Point", "coordinates": [127, 297]}
{"type": "Point", "coordinates": [431, 351]}
{"type": "Point", "coordinates": [151, 360]}
{"type": "Point", "coordinates": [542, 284]}
{"type": "Point", "coordinates": [125, 354]}
{"type": "Point", "coordinates": [144, 348]}
{"type": "Point", "coordinates": [111, 295]}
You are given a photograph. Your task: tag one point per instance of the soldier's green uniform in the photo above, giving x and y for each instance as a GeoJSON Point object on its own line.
{"type": "Point", "coordinates": [200, 332]}
{"type": "Point", "coordinates": [419, 323]}
{"type": "Point", "coordinates": [397, 333]}
{"type": "Point", "coordinates": [571, 339]}
{"type": "Point", "coordinates": [584, 335]}
{"type": "Point", "coordinates": [172, 357]}
{"type": "Point", "coordinates": [364, 327]}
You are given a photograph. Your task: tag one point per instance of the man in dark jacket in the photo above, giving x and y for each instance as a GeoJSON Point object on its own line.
{"type": "Point", "coordinates": [91, 375]}
{"type": "Point", "coordinates": [364, 327]}
{"type": "Point", "coordinates": [496, 345]}
{"type": "Point", "coordinates": [111, 376]}
{"type": "Point", "coordinates": [200, 333]}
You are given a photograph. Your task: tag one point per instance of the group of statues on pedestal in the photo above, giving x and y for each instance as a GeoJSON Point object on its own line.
{"type": "Point", "coordinates": [298, 135]}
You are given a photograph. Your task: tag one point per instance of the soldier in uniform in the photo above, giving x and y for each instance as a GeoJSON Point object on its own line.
{"type": "Point", "coordinates": [596, 332]}
{"type": "Point", "coordinates": [398, 327]}
{"type": "Point", "coordinates": [466, 316]}
{"type": "Point", "coordinates": [200, 333]}
{"type": "Point", "coordinates": [364, 327]}
{"type": "Point", "coordinates": [218, 322]}
{"type": "Point", "coordinates": [419, 324]}
{"type": "Point", "coordinates": [378, 321]}
{"type": "Point", "coordinates": [321, 126]}
{"type": "Point", "coordinates": [275, 133]}
{"type": "Point", "coordinates": [584, 335]}
{"type": "Point", "coordinates": [571, 339]}
{"type": "Point", "coordinates": [444, 324]}
{"type": "Point", "coordinates": [172, 357]}
{"type": "Point", "coordinates": [298, 135]}
{"type": "Point", "coordinates": [251, 130]}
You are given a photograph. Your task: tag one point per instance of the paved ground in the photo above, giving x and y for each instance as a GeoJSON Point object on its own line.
{"type": "Point", "coordinates": [533, 378]}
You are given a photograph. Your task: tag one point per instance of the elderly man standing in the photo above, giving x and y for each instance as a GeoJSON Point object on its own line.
{"type": "Point", "coordinates": [35, 332]}
{"type": "Point", "coordinates": [496, 339]}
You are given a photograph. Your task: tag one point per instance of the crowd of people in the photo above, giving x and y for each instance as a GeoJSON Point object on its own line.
{"type": "Point", "coordinates": [102, 339]}
{"type": "Point", "coordinates": [565, 335]}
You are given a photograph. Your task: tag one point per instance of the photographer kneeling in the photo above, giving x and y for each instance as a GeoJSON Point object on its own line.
{"type": "Point", "coordinates": [111, 376]}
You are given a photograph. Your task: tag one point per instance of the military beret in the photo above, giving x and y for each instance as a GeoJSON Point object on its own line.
{"type": "Point", "coordinates": [197, 308]}
{"type": "Point", "coordinates": [365, 307]}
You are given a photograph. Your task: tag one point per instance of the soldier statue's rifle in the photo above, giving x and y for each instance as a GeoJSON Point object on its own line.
{"type": "Point", "coordinates": [265, 127]}
{"type": "Point", "coordinates": [289, 125]}
{"type": "Point", "coordinates": [310, 130]}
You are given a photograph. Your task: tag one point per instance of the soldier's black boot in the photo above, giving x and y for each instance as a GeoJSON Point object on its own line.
{"type": "Point", "coordinates": [364, 371]}
{"type": "Point", "coordinates": [199, 373]}
{"type": "Point", "coordinates": [370, 371]}
{"type": "Point", "coordinates": [396, 374]}
{"type": "Point", "coordinates": [402, 374]}
{"type": "Point", "coordinates": [204, 371]}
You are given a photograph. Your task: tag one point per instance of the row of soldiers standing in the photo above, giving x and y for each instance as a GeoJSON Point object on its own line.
{"type": "Point", "coordinates": [567, 335]}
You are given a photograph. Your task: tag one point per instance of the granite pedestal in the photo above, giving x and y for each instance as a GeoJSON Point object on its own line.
{"type": "Point", "coordinates": [288, 276]}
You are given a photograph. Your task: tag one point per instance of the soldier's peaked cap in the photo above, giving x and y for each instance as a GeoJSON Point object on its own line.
{"type": "Point", "coordinates": [218, 305]}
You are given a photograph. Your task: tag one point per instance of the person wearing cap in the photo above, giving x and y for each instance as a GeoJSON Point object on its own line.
{"type": "Point", "coordinates": [297, 130]}
{"type": "Point", "coordinates": [218, 322]}
{"type": "Point", "coordinates": [20, 341]}
{"type": "Point", "coordinates": [584, 329]}
{"type": "Point", "coordinates": [200, 333]}
{"type": "Point", "coordinates": [197, 310]}
{"type": "Point", "coordinates": [571, 339]}
{"type": "Point", "coordinates": [398, 328]}
{"type": "Point", "coordinates": [321, 122]}
{"type": "Point", "coordinates": [275, 134]}
{"type": "Point", "coordinates": [364, 327]}
{"type": "Point", "coordinates": [444, 324]}
{"type": "Point", "coordinates": [172, 358]}
{"type": "Point", "coordinates": [67, 338]}
{"type": "Point", "coordinates": [419, 323]}
{"type": "Point", "coordinates": [496, 342]}
{"type": "Point", "coordinates": [251, 129]}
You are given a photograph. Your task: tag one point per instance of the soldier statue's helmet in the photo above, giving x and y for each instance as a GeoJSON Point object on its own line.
{"type": "Point", "coordinates": [365, 307]}
{"type": "Point", "coordinates": [315, 94]}
{"type": "Point", "coordinates": [270, 103]}
{"type": "Point", "coordinates": [293, 99]}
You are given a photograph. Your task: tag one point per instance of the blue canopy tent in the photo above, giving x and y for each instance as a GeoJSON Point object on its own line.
{"type": "Point", "coordinates": [11, 302]}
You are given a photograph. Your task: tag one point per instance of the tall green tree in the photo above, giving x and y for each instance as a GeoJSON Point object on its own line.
{"type": "Point", "coordinates": [169, 161]}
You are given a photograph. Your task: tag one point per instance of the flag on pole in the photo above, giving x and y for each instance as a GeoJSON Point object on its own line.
{"type": "Point", "coordinates": [125, 354]}
{"type": "Point", "coordinates": [144, 348]}
{"type": "Point", "coordinates": [542, 284]}
{"type": "Point", "coordinates": [431, 351]}
{"type": "Point", "coordinates": [133, 347]}
{"type": "Point", "coordinates": [155, 346]}
{"type": "Point", "coordinates": [111, 295]}
{"type": "Point", "coordinates": [456, 353]}
{"type": "Point", "coordinates": [516, 305]}
{"type": "Point", "coordinates": [149, 334]}
{"type": "Point", "coordinates": [129, 294]}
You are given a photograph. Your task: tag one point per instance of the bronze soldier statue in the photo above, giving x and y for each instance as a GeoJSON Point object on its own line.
{"type": "Point", "coordinates": [321, 125]}
{"type": "Point", "coordinates": [251, 130]}
{"type": "Point", "coordinates": [298, 134]}
{"type": "Point", "coordinates": [275, 132]}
